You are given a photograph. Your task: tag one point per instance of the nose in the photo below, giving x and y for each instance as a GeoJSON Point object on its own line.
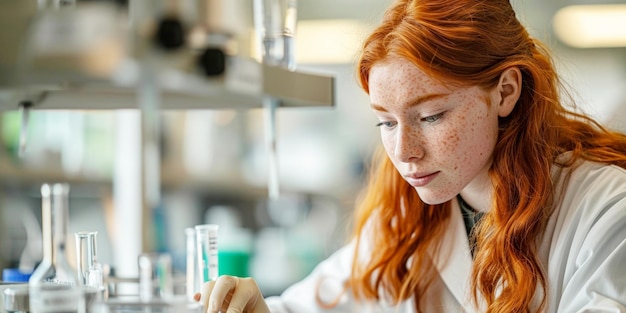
{"type": "Point", "coordinates": [409, 144]}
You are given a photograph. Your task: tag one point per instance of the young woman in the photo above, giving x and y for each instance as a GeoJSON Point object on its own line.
{"type": "Point", "coordinates": [490, 195]}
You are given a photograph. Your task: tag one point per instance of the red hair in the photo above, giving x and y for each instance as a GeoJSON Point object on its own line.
{"type": "Point", "coordinates": [470, 43]}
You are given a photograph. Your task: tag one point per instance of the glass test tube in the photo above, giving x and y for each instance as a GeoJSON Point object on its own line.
{"type": "Point", "coordinates": [206, 252]}
{"type": "Point", "coordinates": [192, 278]}
{"type": "Point", "coordinates": [275, 22]}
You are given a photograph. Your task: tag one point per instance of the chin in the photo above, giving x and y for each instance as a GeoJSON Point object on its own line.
{"type": "Point", "coordinates": [431, 198]}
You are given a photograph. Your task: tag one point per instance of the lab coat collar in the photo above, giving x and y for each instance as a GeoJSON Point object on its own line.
{"type": "Point", "coordinates": [454, 260]}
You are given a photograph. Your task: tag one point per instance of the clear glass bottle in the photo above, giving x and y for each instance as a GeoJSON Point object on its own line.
{"type": "Point", "coordinates": [88, 269]}
{"type": "Point", "coordinates": [55, 287]}
{"type": "Point", "coordinates": [87, 266]}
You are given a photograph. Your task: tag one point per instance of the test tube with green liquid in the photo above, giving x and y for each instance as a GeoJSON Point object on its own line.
{"type": "Point", "coordinates": [206, 242]}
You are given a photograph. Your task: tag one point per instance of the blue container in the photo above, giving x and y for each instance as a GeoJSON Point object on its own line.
{"type": "Point", "coordinates": [15, 275]}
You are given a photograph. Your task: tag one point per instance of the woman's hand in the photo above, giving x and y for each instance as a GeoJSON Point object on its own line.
{"type": "Point", "coordinates": [232, 294]}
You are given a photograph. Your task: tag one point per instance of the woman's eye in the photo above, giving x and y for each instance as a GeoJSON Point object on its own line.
{"type": "Point", "coordinates": [386, 124]}
{"type": "Point", "coordinates": [432, 118]}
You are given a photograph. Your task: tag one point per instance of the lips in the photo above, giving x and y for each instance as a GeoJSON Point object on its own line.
{"type": "Point", "coordinates": [420, 179]}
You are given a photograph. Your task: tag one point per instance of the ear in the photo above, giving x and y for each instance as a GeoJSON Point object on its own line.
{"type": "Point", "coordinates": [508, 90]}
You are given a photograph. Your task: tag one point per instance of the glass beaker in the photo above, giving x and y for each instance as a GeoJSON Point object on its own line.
{"type": "Point", "coordinates": [206, 252]}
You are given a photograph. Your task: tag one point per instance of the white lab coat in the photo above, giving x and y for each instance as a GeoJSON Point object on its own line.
{"type": "Point", "coordinates": [583, 252]}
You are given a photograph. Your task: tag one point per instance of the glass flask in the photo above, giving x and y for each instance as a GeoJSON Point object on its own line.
{"type": "Point", "coordinates": [54, 286]}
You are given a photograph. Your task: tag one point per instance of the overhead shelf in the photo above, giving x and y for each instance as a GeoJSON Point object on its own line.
{"type": "Point", "coordinates": [184, 91]}
{"type": "Point", "coordinates": [37, 67]}
{"type": "Point", "coordinates": [173, 176]}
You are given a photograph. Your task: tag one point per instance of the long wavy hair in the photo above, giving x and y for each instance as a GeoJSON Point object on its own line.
{"type": "Point", "coordinates": [470, 43]}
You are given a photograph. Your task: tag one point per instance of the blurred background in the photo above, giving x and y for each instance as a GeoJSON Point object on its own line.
{"type": "Point", "coordinates": [214, 161]}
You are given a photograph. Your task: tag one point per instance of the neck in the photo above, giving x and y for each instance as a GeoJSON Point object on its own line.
{"type": "Point", "coordinates": [478, 193]}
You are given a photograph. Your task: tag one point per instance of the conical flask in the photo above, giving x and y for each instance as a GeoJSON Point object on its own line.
{"type": "Point", "coordinates": [55, 287]}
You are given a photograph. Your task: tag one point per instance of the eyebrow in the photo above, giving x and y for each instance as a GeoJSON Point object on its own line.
{"type": "Point", "coordinates": [417, 101]}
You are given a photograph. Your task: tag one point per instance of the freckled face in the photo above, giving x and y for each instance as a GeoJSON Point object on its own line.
{"type": "Point", "coordinates": [440, 138]}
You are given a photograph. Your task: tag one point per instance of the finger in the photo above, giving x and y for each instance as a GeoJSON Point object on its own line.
{"type": "Point", "coordinates": [223, 287]}
{"type": "Point", "coordinates": [245, 296]}
{"type": "Point", "coordinates": [205, 293]}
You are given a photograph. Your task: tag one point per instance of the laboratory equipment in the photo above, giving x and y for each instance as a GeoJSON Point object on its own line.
{"type": "Point", "coordinates": [24, 108]}
{"type": "Point", "coordinates": [55, 286]}
{"type": "Point", "coordinates": [235, 241]}
{"type": "Point", "coordinates": [206, 252]}
{"type": "Point", "coordinates": [152, 306]}
{"type": "Point", "coordinates": [4, 286]}
{"type": "Point", "coordinates": [15, 275]}
{"type": "Point", "coordinates": [55, 4]}
{"type": "Point", "coordinates": [192, 277]}
{"type": "Point", "coordinates": [275, 22]}
{"type": "Point", "coordinates": [104, 68]}
{"type": "Point", "coordinates": [155, 276]}
{"type": "Point", "coordinates": [16, 299]}
{"type": "Point", "coordinates": [87, 267]}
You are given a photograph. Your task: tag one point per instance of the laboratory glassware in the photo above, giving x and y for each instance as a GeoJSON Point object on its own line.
{"type": "Point", "coordinates": [16, 299]}
{"type": "Point", "coordinates": [155, 276]}
{"type": "Point", "coordinates": [88, 269]}
{"type": "Point", "coordinates": [192, 278]}
{"type": "Point", "coordinates": [206, 252]}
{"type": "Point", "coordinates": [275, 23]}
{"type": "Point", "coordinates": [55, 286]}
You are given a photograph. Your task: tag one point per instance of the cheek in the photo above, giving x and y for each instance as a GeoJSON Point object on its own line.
{"type": "Point", "coordinates": [451, 147]}
{"type": "Point", "coordinates": [467, 139]}
{"type": "Point", "coordinates": [477, 138]}
{"type": "Point", "coordinates": [388, 141]}
{"type": "Point", "coordinates": [449, 138]}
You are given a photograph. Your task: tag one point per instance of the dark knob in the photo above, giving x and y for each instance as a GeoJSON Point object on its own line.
{"type": "Point", "coordinates": [212, 61]}
{"type": "Point", "coordinates": [170, 33]}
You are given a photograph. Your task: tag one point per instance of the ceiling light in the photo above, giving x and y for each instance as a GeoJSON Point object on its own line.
{"type": "Point", "coordinates": [328, 41]}
{"type": "Point", "coordinates": [323, 41]}
{"type": "Point", "coordinates": [591, 26]}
